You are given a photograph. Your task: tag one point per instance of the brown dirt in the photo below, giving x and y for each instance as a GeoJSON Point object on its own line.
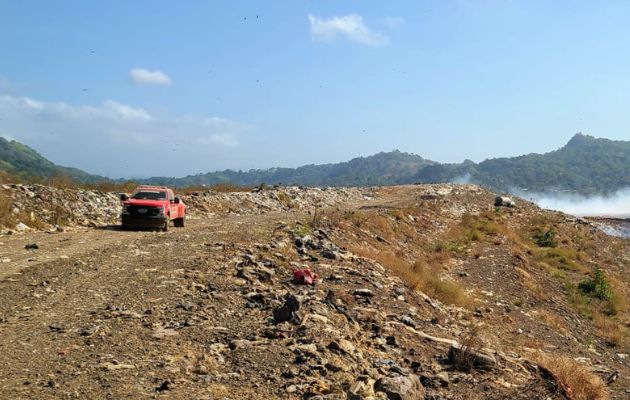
{"type": "Point", "coordinates": [111, 314]}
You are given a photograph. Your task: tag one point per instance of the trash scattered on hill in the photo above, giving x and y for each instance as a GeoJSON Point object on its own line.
{"type": "Point", "coordinates": [304, 277]}
{"type": "Point", "coordinates": [502, 201]}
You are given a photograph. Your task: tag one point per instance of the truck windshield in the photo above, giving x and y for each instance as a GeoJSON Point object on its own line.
{"type": "Point", "coordinates": [149, 195]}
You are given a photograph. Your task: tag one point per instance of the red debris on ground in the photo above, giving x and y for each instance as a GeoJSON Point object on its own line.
{"type": "Point", "coordinates": [304, 276]}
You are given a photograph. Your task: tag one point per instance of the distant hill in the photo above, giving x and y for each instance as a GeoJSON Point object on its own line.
{"type": "Point", "coordinates": [585, 165]}
{"type": "Point", "coordinates": [23, 162]}
{"type": "Point", "coordinates": [379, 169]}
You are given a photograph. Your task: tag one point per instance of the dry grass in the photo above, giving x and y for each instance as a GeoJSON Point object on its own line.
{"type": "Point", "coordinates": [561, 257]}
{"type": "Point", "coordinates": [618, 302]}
{"type": "Point", "coordinates": [418, 276]}
{"type": "Point", "coordinates": [7, 218]}
{"type": "Point", "coordinates": [393, 262]}
{"type": "Point", "coordinates": [61, 215]}
{"type": "Point", "coordinates": [552, 320]}
{"type": "Point", "coordinates": [447, 291]}
{"type": "Point", "coordinates": [532, 286]}
{"type": "Point", "coordinates": [464, 360]}
{"type": "Point", "coordinates": [610, 330]}
{"type": "Point", "coordinates": [578, 300]}
{"type": "Point", "coordinates": [328, 218]}
{"type": "Point", "coordinates": [285, 199]}
{"type": "Point", "coordinates": [577, 382]}
{"type": "Point", "coordinates": [484, 224]}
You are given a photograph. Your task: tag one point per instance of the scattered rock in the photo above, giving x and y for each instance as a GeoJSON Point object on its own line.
{"type": "Point", "coordinates": [110, 366]}
{"type": "Point", "coordinates": [443, 378]}
{"type": "Point", "coordinates": [408, 321]}
{"type": "Point", "coordinates": [401, 387]}
{"type": "Point", "coordinates": [22, 227]}
{"type": "Point", "coordinates": [164, 386]}
{"type": "Point", "coordinates": [161, 333]}
{"type": "Point", "coordinates": [363, 293]}
{"type": "Point", "coordinates": [287, 312]}
{"type": "Point", "coordinates": [342, 345]}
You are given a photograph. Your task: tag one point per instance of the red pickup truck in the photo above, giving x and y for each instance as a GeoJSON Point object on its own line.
{"type": "Point", "coordinates": [152, 207]}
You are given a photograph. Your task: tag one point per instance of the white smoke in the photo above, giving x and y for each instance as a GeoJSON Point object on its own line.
{"type": "Point", "coordinates": [615, 205]}
{"type": "Point", "coordinates": [462, 179]}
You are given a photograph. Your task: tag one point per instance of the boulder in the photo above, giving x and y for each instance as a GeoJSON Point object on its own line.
{"type": "Point", "coordinates": [401, 387]}
{"type": "Point", "coordinates": [475, 358]}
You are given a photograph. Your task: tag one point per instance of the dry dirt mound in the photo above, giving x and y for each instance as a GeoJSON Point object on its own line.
{"type": "Point", "coordinates": [421, 292]}
{"type": "Point", "coordinates": [210, 203]}
{"type": "Point", "coordinates": [39, 207]}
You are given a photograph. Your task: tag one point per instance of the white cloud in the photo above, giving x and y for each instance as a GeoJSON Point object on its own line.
{"type": "Point", "coordinates": [121, 140]}
{"type": "Point", "coordinates": [349, 26]}
{"type": "Point", "coordinates": [125, 111]}
{"type": "Point", "coordinates": [141, 76]}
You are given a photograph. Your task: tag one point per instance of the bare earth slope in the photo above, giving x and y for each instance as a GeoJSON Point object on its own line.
{"type": "Point", "coordinates": [405, 274]}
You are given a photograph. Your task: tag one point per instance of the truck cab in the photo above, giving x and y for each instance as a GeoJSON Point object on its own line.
{"type": "Point", "coordinates": [152, 207]}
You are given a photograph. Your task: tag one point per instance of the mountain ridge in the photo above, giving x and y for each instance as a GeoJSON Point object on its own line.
{"type": "Point", "coordinates": [23, 162]}
{"type": "Point", "coordinates": [584, 165]}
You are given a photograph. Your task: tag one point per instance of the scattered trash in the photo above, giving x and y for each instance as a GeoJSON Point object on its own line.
{"type": "Point", "coordinates": [304, 276]}
{"type": "Point", "coordinates": [31, 246]}
{"type": "Point", "coordinates": [501, 201]}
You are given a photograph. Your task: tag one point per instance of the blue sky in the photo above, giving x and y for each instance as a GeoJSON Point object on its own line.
{"type": "Point", "coordinates": [171, 88]}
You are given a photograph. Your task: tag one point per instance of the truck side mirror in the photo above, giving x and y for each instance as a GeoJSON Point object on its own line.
{"type": "Point", "coordinates": [124, 197]}
{"type": "Point", "coordinates": [176, 200]}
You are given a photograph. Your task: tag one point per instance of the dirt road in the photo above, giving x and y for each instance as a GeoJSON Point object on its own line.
{"type": "Point", "coordinates": [76, 312]}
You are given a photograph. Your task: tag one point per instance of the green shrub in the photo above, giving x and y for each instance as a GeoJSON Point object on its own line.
{"type": "Point", "coordinates": [545, 239]}
{"type": "Point", "coordinates": [450, 246]}
{"type": "Point", "coordinates": [597, 286]}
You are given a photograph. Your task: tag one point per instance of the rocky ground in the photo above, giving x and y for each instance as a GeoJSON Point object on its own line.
{"type": "Point", "coordinates": [214, 310]}
{"type": "Point", "coordinates": [39, 207]}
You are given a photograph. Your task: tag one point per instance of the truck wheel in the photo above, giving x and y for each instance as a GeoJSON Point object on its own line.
{"type": "Point", "coordinates": [179, 222]}
{"type": "Point", "coordinates": [165, 228]}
